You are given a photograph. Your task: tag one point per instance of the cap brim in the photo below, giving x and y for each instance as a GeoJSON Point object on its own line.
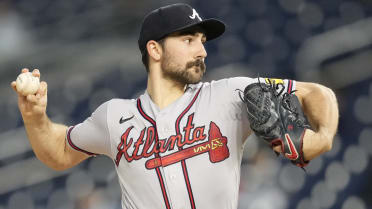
{"type": "Point", "coordinates": [213, 28]}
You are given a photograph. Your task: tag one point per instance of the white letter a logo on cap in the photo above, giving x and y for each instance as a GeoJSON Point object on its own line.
{"type": "Point", "coordinates": [195, 14]}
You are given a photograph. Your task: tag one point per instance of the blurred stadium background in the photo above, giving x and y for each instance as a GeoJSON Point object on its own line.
{"type": "Point", "coordinates": [87, 52]}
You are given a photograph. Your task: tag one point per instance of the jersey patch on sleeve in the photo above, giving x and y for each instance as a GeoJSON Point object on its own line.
{"type": "Point", "coordinates": [281, 85]}
{"type": "Point", "coordinates": [274, 80]}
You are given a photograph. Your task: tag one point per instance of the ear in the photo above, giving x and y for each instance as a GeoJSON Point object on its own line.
{"type": "Point", "coordinates": [154, 50]}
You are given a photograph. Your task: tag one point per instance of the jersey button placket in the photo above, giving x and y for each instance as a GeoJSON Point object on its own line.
{"type": "Point", "coordinates": [161, 135]}
{"type": "Point", "coordinates": [170, 171]}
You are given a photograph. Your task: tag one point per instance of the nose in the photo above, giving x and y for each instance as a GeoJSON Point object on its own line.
{"type": "Point", "coordinates": [202, 53]}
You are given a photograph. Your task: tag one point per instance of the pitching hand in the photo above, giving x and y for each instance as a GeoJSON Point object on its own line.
{"type": "Point", "coordinates": [32, 106]}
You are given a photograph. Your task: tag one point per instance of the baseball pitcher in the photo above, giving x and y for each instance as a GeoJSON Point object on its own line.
{"type": "Point", "coordinates": [179, 144]}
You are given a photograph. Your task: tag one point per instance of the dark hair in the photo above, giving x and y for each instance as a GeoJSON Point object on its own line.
{"type": "Point", "coordinates": [145, 60]}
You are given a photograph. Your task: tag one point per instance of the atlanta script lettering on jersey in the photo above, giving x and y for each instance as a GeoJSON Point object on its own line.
{"type": "Point", "coordinates": [148, 144]}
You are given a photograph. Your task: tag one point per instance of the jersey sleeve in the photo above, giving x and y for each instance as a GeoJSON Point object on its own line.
{"type": "Point", "coordinates": [92, 135]}
{"type": "Point", "coordinates": [237, 85]}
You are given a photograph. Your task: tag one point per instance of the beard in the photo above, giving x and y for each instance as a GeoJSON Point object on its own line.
{"type": "Point", "coordinates": [191, 73]}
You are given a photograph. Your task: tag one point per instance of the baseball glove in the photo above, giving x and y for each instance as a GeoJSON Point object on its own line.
{"type": "Point", "coordinates": [277, 118]}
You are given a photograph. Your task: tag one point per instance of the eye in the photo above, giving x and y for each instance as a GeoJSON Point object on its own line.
{"type": "Point", "coordinates": [187, 40]}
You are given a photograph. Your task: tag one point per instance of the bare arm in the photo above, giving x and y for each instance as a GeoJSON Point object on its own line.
{"type": "Point", "coordinates": [320, 106]}
{"type": "Point", "coordinates": [47, 139]}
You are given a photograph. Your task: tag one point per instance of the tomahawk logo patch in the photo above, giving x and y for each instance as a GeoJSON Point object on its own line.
{"type": "Point", "coordinates": [147, 145]}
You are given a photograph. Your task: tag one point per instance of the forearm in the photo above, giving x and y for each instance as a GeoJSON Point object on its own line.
{"type": "Point", "coordinates": [47, 140]}
{"type": "Point", "coordinates": [321, 108]}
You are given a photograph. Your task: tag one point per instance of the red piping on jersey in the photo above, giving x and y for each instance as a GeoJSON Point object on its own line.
{"type": "Point", "coordinates": [74, 146]}
{"type": "Point", "coordinates": [183, 162]}
{"type": "Point", "coordinates": [289, 88]}
{"type": "Point", "coordinates": [160, 178]}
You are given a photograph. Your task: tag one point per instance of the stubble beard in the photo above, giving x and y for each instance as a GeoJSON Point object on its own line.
{"type": "Point", "coordinates": [191, 73]}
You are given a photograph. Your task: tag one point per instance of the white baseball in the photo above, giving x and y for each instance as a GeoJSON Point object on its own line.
{"type": "Point", "coordinates": [27, 84]}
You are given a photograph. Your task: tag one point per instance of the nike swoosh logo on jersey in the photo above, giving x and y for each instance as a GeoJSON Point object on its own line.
{"type": "Point", "coordinates": [125, 120]}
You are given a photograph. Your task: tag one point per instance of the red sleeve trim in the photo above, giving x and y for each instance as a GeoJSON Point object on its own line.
{"type": "Point", "coordinates": [74, 146]}
{"type": "Point", "coordinates": [290, 86]}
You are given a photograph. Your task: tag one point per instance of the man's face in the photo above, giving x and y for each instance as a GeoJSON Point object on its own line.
{"type": "Point", "coordinates": [183, 57]}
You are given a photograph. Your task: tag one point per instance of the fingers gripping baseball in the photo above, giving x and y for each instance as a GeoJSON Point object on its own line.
{"type": "Point", "coordinates": [32, 94]}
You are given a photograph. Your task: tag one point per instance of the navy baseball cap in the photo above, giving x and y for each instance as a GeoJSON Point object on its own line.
{"type": "Point", "coordinates": [176, 17]}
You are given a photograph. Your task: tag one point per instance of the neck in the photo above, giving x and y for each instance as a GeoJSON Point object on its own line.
{"type": "Point", "coordinates": [163, 91]}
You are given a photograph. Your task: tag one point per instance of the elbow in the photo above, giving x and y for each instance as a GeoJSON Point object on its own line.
{"type": "Point", "coordinates": [328, 147]}
{"type": "Point", "coordinates": [58, 167]}
{"type": "Point", "coordinates": [52, 164]}
{"type": "Point", "coordinates": [328, 142]}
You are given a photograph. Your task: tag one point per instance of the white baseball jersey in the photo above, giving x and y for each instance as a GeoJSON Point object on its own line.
{"type": "Point", "coordinates": [186, 155]}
